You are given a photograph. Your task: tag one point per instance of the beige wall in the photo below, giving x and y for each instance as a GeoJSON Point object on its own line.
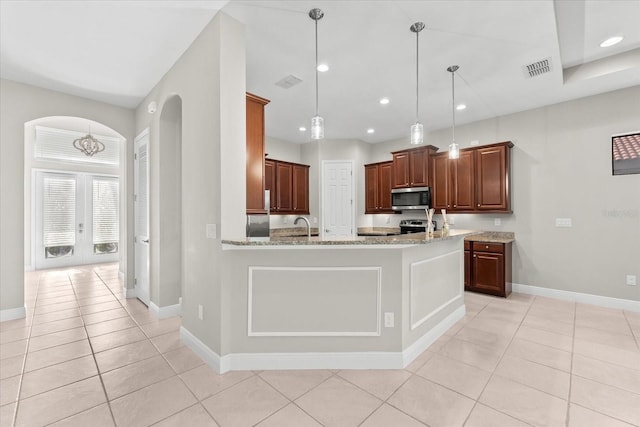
{"type": "Point", "coordinates": [561, 168]}
{"type": "Point", "coordinates": [210, 80]}
{"type": "Point", "coordinates": [19, 104]}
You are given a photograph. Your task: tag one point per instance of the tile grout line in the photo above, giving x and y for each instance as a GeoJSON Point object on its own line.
{"type": "Point", "coordinates": [475, 403]}
{"type": "Point", "coordinates": [26, 352]}
{"type": "Point", "coordinates": [93, 355]}
{"type": "Point", "coordinates": [573, 344]}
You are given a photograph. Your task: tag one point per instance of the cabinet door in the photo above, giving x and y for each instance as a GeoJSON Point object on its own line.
{"type": "Point", "coordinates": [491, 176]}
{"type": "Point", "coordinates": [385, 178]}
{"type": "Point", "coordinates": [488, 272]}
{"type": "Point", "coordinates": [270, 182]}
{"type": "Point", "coordinates": [300, 189]}
{"type": "Point", "coordinates": [440, 181]}
{"type": "Point", "coordinates": [401, 170]}
{"type": "Point", "coordinates": [255, 154]}
{"type": "Point", "coordinates": [371, 189]}
{"type": "Point", "coordinates": [418, 168]}
{"type": "Point", "coordinates": [463, 180]}
{"type": "Point", "coordinates": [284, 187]}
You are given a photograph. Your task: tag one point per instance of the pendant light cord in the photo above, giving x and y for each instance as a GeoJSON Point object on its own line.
{"type": "Point", "coordinates": [316, 67]}
{"type": "Point", "coordinates": [417, 76]}
{"type": "Point", "coordinates": [453, 105]}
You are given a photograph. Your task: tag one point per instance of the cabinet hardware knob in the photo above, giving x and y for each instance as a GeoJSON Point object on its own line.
{"type": "Point", "coordinates": [474, 256]}
{"type": "Point", "coordinates": [478, 204]}
{"type": "Point", "coordinates": [455, 206]}
{"type": "Point", "coordinates": [486, 247]}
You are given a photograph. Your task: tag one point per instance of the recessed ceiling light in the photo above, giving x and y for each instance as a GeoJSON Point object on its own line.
{"type": "Point", "coordinates": [611, 41]}
{"type": "Point", "coordinates": [323, 68]}
{"type": "Point", "coordinates": [302, 129]}
{"type": "Point", "coordinates": [460, 107]}
{"type": "Point", "coordinates": [384, 101]}
{"type": "Point", "coordinates": [370, 130]}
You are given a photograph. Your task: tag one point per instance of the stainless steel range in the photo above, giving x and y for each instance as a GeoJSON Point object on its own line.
{"type": "Point", "coordinates": [408, 226]}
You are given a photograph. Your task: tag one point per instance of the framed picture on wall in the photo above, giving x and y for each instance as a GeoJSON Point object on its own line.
{"type": "Point", "coordinates": [625, 153]}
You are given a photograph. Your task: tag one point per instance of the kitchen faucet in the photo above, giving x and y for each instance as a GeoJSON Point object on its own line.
{"type": "Point", "coordinates": [305, 220]}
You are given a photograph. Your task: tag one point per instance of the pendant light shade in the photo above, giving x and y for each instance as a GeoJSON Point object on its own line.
{"type": "Point", "coordinates": [317, 122]}
{"type": "Point", "coordinates": [417, 131]}
{"type": "Point", "coordinates": [454, 149]}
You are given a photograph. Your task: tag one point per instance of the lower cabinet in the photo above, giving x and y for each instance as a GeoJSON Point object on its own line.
{"type": "Point", "coordinates": [487, 267]}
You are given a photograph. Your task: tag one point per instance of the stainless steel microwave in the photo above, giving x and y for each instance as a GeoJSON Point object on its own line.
{"type": "Point", "coordinates": [410, 198]}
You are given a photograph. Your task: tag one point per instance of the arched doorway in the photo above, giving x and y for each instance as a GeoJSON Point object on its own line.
{"type": "Point", "coordinates": [72, 199]}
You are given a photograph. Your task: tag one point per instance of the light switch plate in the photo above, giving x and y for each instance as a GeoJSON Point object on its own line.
{"type": "Point", "coordinates": [631, 280]}
{"type": "Point", "coordinates": [389, 320]}
{"type": "Point", "coordinates": [563, 222]}
{"type": "Point", "coordinates": [211, 231]}
{"type": "Point", "coordinates": [497, 222]}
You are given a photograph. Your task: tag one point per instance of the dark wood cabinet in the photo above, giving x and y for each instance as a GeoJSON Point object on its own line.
{"type": "Point", "coordinates": [411, 167]}
{"type": "Point", "coordinates": [255, 153]}
{"type": "Point", "coordinates": [300, 187]}
{"type": "Point", "coordinates": [453, 182]}
{"type": "Point", "coordinates": [476, 182]}
{"type": "Point", "coordinates": [378, 183]}
{"type": "Point", "coordinates": [489, 268]}
{"type": "Point", "coordinates": [288, 184]}
{"type": "Point", "coordinates": [492, 177]}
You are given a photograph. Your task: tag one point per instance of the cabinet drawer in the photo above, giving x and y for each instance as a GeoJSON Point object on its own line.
{"type": "Point", "coordinates": [488, 247]}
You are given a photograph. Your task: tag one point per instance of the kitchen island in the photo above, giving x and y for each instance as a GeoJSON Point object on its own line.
{"type": "Point", "coordinates": [337, 303]}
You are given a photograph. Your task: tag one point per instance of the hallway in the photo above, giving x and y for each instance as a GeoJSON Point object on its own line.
{"type": "Point", "coordinates": [86, 356]}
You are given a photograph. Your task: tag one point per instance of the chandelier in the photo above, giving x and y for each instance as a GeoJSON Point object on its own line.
{"type": "Point", "coordinates": [88, 145]}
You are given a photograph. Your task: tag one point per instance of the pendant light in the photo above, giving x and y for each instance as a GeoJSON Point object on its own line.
{"type": "Point", "coordinates": [454, 149]}
{"type": "Point", "coordinates": [417, 131]}
{"type": "Point", "coordinates": [317, 122]}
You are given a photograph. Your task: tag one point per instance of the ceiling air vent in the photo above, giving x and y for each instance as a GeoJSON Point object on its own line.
{"type": "Point", "coordinates": [537, 68]}
{"type": "Point", "coordinates": [288, 81]}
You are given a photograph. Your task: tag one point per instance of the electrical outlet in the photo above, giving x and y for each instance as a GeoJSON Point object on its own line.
{"type": "Point", "coordinates": [200, 312]}
{"type": "Point", "coordinates": [211, 231]}
{"type": "Point", "coordinates": [474, 142]}
{"type": "Point", "coordinates": [388, 221]}
{"type": "Point", "coordinates": [631, 280]}
{"type": "Point", "coordinates": [451, 219]}
{"type": "Point", "coordinates": [388, 320]}
{"type": "Point", "coordinates": [285, 220]}
{"type": "Point", "coordinates": [497, 222]}
{"type": "Point", "coordinates": [563, 222]}
{"type": "Point", "coordinates": [315, 219]}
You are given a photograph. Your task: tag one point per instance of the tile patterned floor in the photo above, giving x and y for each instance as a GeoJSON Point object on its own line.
{"type": "Point", "coordinates": [86, 356]}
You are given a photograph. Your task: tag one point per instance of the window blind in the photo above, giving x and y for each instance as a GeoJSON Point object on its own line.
{"type": "Point", "coordinates": [106, 209]}
{"type": "Point", "coordinates": [57, 144]}
{"type": "Point", "coordinates": [59, 211]}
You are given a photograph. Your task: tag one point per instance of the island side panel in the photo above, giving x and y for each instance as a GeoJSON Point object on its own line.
{"type": "Point", "coordinates": [433, 293]}
{"type": "Point", "coordinates": [311, 301]}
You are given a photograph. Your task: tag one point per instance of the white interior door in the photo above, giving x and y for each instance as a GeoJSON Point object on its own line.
{"type": "Point", "coordinates": [141, 212]}
{"type": "Point", "coordinates": [338, 208]}
{"type": "Point", "coordinates": [76, 219]}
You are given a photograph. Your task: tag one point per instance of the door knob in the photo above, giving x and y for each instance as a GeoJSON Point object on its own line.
{"type": "Point", "coordinates": [145, 240]}
{"type": "Point", "coordinates": [326, 230]}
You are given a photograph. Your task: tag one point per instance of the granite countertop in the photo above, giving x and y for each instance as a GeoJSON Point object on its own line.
{"type": "Point", "coordinates": [292, 232]}
{"type": "Point", "coordinates": [378, 231]}
{"type": "Point", "coordinates": [492, 237]}
{"type": "Point", "coordinates": [403, 239]}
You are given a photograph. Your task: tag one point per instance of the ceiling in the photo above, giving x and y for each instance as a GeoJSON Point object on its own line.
{"type": "Point", "coordinates": [116, 51]}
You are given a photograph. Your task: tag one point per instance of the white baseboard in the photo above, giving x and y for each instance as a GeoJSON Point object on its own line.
{"type": "Point", "coordinates": [129, 293]}
{"type": "Point", "coordinates": [13, 313]}
{"type": "Point", "coordinates": [618, 303]}
{"type": "Point", "coordinates": [167, 311]}
{"type": "Point", "coordinates": [414, 350]}
{"type": "Point", "coordinates": [210, 357]}
{"type": "Point", "coordinates": [318, 360]}
{"type": "Point", "coordinates": [122, 277]}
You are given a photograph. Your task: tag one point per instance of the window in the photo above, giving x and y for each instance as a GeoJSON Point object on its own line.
{"type": "Point", "coordinates": [106, 208]}
{"type": "Point", "coordinates": [57, 144]}
{"type": "Point", "coordinates": [625, 153]}
{"type": "Point", "coordinates": [59, 216]}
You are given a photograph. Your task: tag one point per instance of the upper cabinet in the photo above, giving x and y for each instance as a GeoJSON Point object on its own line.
{"type": "Point", "coordinates": [411, 167]}
{"type": "Point", "coordinates": [492, 176]}
{"type": "Point", "coordinates": [378, 180]}
{"type": "Point", "coordinates": [476, 182]}
{"type": "Point", "coordinates": [453, 181]}
{"type": "Point", "coordinates": [288, 184]}
{"type": "Point", "coordinates": [255, 154]}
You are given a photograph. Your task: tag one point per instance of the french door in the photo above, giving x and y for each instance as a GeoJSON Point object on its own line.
{"type": "Point", "coordinates": [77, 219]}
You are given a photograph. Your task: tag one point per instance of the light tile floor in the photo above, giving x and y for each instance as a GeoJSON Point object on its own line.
{"type": "Point", "coordinates": [84, 356]}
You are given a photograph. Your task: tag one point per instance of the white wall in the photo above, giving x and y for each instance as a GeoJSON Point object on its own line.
{"type": "Point", "coordinates": [279, 149]}
{"type": "Point", "coordinates": [19, 104]}
{"type": "Point", "coordinates": [561, 168]}
{"type": "Point", "coordinates": [210, 80]}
